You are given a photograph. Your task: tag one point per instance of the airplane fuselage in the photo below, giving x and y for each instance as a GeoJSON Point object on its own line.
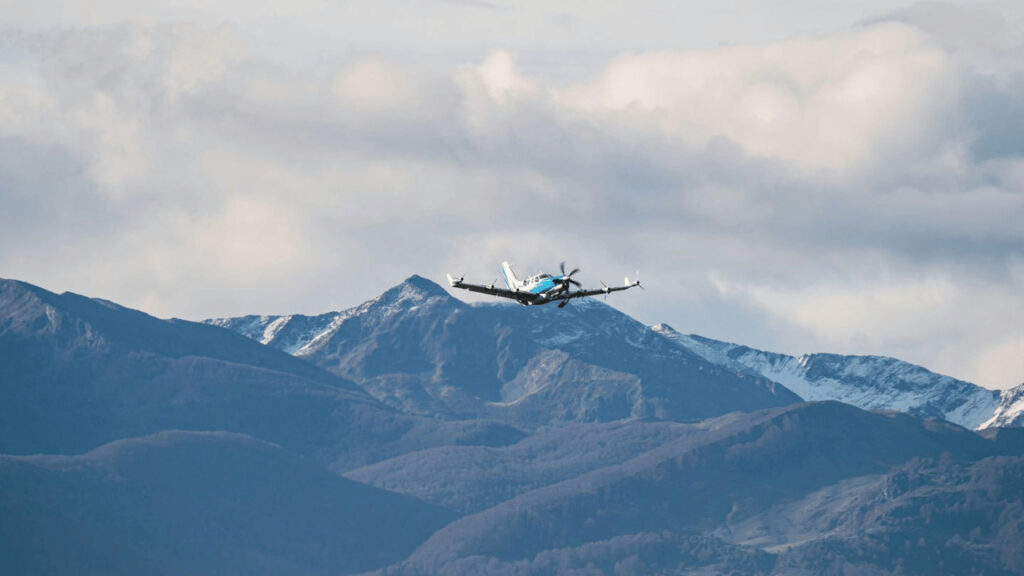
{"type": "Point", "coordinates": [542, 287]}
{"type": "Point", "coordinates": [539, 288]}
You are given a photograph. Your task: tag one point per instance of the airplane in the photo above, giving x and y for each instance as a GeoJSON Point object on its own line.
{"type": "Point", "coordinates": [540, 288]}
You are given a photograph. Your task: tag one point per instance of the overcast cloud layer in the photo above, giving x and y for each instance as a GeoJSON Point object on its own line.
{"type": "Point", "coordinates": [826, 176]}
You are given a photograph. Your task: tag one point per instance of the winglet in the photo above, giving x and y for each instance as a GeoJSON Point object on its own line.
{"type": "Point", "coordinates": [454, 281]}
{"type": "Point", "coordinates": [636, 282]}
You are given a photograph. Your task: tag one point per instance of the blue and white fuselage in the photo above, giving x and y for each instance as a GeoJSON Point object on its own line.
{"type": "Point", "coordinates": [542, 285]}
{"type": "Point", "coordinates": [538, 289]}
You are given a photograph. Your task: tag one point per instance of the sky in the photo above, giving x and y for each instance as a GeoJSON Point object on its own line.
{"type": "Point", "coordinates": [795, 176]}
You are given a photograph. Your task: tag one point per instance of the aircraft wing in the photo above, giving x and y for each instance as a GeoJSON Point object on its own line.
{"type": "Point", "coordinates": [599, 291]}
{"type": "Point", "coordinates": [519, 296]}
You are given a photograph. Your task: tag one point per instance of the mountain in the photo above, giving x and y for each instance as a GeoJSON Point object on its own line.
{"type": "Point", "coordinates": [80, 372]}
{"type": "Point", "coordinates": [420, 350]}
{"type": "Point", "coordinates": [469, 479]}
{"type": "Point", "coordinates": [416, 434]}
{"type": "Point", "coordinates": [808, 488]}
{"type": "Point", "coordinates": [1011, 409]}
{"type": "Point", "coordinates": [868, 382]}
{"type": "Point", "coordinates": [198, 503]}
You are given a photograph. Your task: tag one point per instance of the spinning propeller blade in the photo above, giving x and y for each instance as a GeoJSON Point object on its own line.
{"type": "Point", "coordinates": [567, 278]}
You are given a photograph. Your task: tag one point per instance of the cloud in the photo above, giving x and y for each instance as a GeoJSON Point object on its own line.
{"type": "Point", "coordinates": [1001, 364]}
{"type": "Point", "coordinates": [856, 191]}
{"type": "Point", "coordinates": [898, 315]}
{"type": "Point", "coordinates": [378, 86]}
{"type": "Point", "coordinates": [985, 36]}
{"type": "Point", "coordinates": [836, 102]}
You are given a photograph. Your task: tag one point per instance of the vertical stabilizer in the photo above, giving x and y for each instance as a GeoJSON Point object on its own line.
{"type": "Point", "coordinates": [510, 277]}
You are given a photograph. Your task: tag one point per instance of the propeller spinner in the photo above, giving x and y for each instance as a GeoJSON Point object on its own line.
{"type": "Point", "coordinates": [566, 279]}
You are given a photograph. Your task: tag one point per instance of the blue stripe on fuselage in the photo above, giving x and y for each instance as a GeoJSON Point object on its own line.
{"type": "Point", "coordinates": [543, 286]}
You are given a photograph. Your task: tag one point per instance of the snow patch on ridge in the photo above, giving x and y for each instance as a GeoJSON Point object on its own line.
{"type": "Point", "coordinates": [868, 382]}
{"type": "Point", "coordinates": [1011, 409]}
{"type": "Point", "coordinates": [273, 328]}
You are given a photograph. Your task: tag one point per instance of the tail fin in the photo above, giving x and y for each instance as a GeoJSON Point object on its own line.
{"type": "Point", "coordinates": [510, 277]}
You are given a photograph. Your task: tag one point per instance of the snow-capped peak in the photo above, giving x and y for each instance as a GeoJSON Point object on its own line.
{"type": "Point", "coordinates": [868, 382]}
{"type": "Point", "coordinates": [1011, 409]}
{"type": "Point", "coordinates": [413, 292]}
{"type": "Point", "coordinates": [664, 329]}
{"type": "Point", "coordinates": [415, 289]}
{"type": "Point", "coordinates": [302, 335]}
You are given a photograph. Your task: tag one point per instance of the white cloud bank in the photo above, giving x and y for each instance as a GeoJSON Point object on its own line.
{"type": "Point", "coordinates": [857, 191]}
{"type": "Point", "coordinates": [839, 102]}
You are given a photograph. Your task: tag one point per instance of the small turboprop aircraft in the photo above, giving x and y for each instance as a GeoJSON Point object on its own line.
{"type": "Point", "coordinates": [539, 289]}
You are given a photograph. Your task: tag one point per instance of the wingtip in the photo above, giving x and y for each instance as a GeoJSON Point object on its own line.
{"type": "Point", "coordinates": [635, 282]}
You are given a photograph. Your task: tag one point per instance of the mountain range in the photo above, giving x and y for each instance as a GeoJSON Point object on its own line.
{"type": "Point", "coordinates": [495, 360]}
{"type": "Point", "coordinates": [418, 434]}
{"type": "Point", "coordinates": [80, 372]}
{"type": "Point", "coordinates": [420, 350]}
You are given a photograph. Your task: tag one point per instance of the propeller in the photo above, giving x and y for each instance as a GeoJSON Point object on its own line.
{"type": "Point", "coordinates": [567, 278]}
